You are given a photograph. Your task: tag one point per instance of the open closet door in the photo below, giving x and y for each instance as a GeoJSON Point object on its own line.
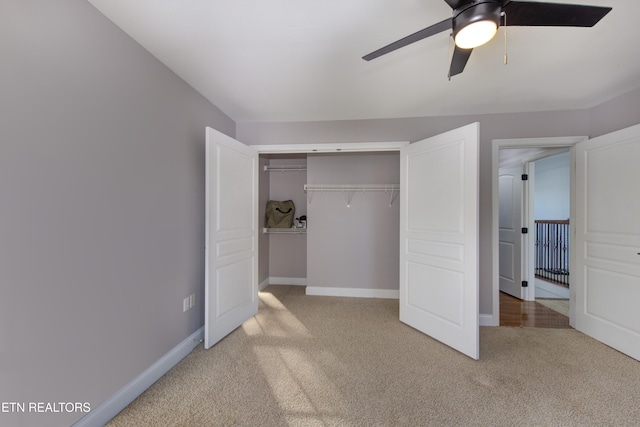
{"type": "Point", "coordinates": [439, 238]}
{"type": "Point", "coordinates": [607, 230]}
{"type": "Point", "coordinates": [231, 257]}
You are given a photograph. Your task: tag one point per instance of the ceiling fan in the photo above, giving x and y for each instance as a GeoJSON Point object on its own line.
{"type": "Point", "coordinates": [475, 22]}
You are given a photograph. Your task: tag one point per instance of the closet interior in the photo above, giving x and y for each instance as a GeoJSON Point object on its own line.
{"type": "Point", "coordinates": [351, 238]}
{"type": "Point", "coordinates": [283, 252]}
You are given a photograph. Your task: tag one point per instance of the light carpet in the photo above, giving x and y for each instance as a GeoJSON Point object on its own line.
{"type": "Point", "coordinates": [328, 361]}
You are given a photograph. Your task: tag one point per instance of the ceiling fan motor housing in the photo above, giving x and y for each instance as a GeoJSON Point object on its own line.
{"type": "Point", "coordinates": [476, 11]}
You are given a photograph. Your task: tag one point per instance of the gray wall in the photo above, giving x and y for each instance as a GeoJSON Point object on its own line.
{"type": "Point", "coordinates": [552, 189]}
{"type": "Point", "coordinates": [101, 206]}
{"type": "Point", "coordinates": [356, 246]}
{"type": "Point", "coordinates": [618, 113]}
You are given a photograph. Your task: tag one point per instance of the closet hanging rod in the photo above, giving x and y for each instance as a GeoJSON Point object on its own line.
{"type": "Point", "coordinates": [285, 168]}
{"type": "Point", "coordinates": [352, 187]}
{"type": "Point", "coordinates": [284, 230]}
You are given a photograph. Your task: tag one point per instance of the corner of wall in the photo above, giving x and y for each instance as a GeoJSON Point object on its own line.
{"type": "Point", "coordinates": [618, 113]}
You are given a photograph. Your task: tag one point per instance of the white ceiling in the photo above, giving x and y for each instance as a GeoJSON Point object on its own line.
{"type": "Point", "coordinates": [299, 60]}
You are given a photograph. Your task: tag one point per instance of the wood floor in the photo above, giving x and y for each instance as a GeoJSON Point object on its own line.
{"type": "Point", "coordinates": [515, 312]}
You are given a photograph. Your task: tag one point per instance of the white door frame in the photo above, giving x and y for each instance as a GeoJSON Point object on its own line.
{"type": "Point", "coordinates": [318, 148]}
{"type": "Point", "coordinates": [497, 145]}
{"type": "Point", "coordinates": [341, 147]}
{"type": "Point", "coordinates": [238, 313]}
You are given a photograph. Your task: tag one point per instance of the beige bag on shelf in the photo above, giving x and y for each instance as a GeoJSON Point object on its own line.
{"type": "Point", "coordinates": [280, 214]}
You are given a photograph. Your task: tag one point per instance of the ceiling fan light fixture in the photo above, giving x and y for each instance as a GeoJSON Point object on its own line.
{"type": "Point", "coordinates": [475, 34]}
{"type": "Point", "coordinates": [476, 25]}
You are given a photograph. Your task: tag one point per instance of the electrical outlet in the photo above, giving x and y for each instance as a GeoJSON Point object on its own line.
{"type": "Point", "coordinates": [192, 300]}
{"type": "Point", "coordinates": [185, 304]}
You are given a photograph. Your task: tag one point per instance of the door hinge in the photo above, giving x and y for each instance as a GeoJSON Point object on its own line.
{"type": "Point", "coordinates": [525, 230]}
{"type": "Point", "coordinates": [525, 177]}
{"type": "Point", "coordinates": [525, 284]}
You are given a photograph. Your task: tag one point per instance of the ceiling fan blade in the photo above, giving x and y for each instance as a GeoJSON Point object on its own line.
{"type": "Point", "coordinates": [535, 14]}
{"type": "Point", "coordinates": [417, 36]}
{"type": "Point", "coordinates": [459, 60]}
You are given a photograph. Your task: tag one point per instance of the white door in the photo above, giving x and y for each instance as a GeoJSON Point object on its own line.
{"type": "Point", "coordinates": [510, 231]}
{"type": "Point", "coordinates": [231, 256]}
{"type": "Point", "coordinates": [606, 275]}
{"type": "Point", "coordinates": [439, 238]}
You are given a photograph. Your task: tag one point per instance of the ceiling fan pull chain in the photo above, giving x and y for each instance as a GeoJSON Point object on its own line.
{"type": "Point", "coordinates": [505, 36]}
{"type": "Point", "coordinates": [450, 55]}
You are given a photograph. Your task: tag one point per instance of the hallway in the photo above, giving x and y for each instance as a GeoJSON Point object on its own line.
{"type": "Point", "coordinates": [515, 312]}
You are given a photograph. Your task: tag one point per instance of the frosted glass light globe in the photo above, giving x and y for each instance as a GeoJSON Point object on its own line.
{"type": "Point", "coordinates": [476, 34]}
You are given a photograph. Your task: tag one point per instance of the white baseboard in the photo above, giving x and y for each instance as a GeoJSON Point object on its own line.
{"type": "Point", "coordinates": [263, 284]}
{"type": "Point", "coordinates": [353, 292]}
{"type": "Point", "coordinates": [487, 320]}
{"type": "Point", "coordinates": [297, 281]}
{"type": "Point", "coordinates": [127, 394]}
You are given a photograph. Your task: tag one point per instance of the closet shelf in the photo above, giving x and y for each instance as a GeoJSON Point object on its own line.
{"type": "Point", "coordinates": [351, 189]}
{"type": "Point", "coordinates": [284, 230]}
{"type": "Point", "coordinates": [285, 168]}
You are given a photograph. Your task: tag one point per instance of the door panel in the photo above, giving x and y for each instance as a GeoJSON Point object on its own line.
{"type": "Point", "coordinates": [439, 238]}
{"type": "Point", "coordinates": [447, 284]}
{"type": "Point", "coordinates": [231, 264]}
{"type": "Point", "coordinates": [607, 273]}
{"type": "Point", "coordinates": [510, 225]}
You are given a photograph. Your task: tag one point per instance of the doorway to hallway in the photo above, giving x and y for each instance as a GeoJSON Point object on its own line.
{"type": "Point", "coordinates": [519, 259]}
